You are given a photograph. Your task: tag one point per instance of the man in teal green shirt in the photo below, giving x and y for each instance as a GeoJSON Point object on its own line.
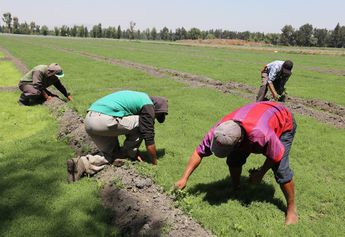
{"type": "Point", "coordinates": [128, 113]}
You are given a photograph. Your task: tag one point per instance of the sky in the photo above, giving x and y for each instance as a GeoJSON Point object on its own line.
{"type": "Point", "coordinates": [252, 15]}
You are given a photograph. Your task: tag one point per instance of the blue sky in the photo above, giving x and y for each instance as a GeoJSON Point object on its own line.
{"type": "Point", "coordinates": [252, 15]}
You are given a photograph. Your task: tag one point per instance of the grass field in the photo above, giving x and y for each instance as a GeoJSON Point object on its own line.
{"type": "Point", "coordinates": [258, 211]}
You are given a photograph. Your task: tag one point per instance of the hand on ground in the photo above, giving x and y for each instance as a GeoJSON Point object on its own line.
{"type": "Point", "coordinates": [181, 184]}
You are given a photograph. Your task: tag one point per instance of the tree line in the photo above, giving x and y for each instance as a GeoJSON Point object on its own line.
{"type": "Point", "coordinates": [306, 35]}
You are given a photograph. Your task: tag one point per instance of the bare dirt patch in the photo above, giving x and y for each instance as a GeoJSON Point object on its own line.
{"type": "Point", "coordinates": [261, 46]}
{"type": "Point", "coordinates": [337, 72]}
{"type": "Point", "coordinates": [8, 88]}
{"type": "Point", "coordinates": [223, 42]}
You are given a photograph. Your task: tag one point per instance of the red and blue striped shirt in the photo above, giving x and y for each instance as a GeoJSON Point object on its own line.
{"type": "Point", "coordinates": [264, 123]}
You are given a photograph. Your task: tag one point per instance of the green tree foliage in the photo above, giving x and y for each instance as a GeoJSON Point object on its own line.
{"type": "Point", "coordinates": [15, 25]}
{"type": "Point", "coordinates": [305, 35]}
{"type": "Point", "coordinates": [7, 19]}
{"type": "Point", "coordinates": [164, 34]}
{"type": "Point", "coordinates": [322, 37]}
{"type": "Point", "coordinates": [44, 30]}
{"type": "Point", "coordinates": [131, 30]}
{"type": "Point", "coordinates": [154, 33]}
{"type": "Point", "coordinates": [118, 32]}
{"type": "Point", "coordinates": [287, 36]}
{"type": "Point", "coordinates": [194, 33]}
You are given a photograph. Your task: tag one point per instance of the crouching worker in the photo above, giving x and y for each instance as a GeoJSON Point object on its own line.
{"type": "Point", "coordinates": [34, 84]}
{"type": "Point", "coordinates": [128, 113]}
{"type": "Point", "coordinates": [274, 77]}
{"type": "Point", "coordinates": [266, 128]}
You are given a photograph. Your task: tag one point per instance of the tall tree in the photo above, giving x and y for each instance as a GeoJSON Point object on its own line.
{"type": "Point", "coordinates": [322, 37]}
{"type": "Point", "coordinates": [131, 30]}
{"type": "Point", "coordinates": [32, 27]}
{"type": "Point", "coordinates": [154, 33]}
{"type": "Point", "coordinates": [16, 25]}
{"type": "Point", "coordinates": [287, 36]}
{"type": "Point", "coordinates": [164, 33]}
{"type": "Point", "coordinates": [56, 31]}
{"type": "Point", "coordinates": [7, 19]}
{"type": "Point", "coordinates": [336, 37]}
{"type": "Point", "coordinates": [44, 30]}
{"type": "Point", "coordinates": [24, 28]}
{"type": "Point", "coordinates": [118, 32]}
{"type": "Point", "coordinates": [304, 35]}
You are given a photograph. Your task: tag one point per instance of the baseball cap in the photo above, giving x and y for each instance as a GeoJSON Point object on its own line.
{"type": "Point", "coordinates": [56, 69]}
{"type": "Point", "coordinates": [160, 106]}
{"type": "Point", "coordinates": [287, 67]}
{"type": "Point", "coordinates": [226, 137]}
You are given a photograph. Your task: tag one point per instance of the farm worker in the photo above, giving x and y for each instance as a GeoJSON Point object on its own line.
{"type": "Point", "coordinates": [266, 128]}
{"type": "Point", "coordinates": [34, 84]}
{"type": "Point", "coordinates": [274, 76]}
{"type": "Point", "coordinates": [128, 113]}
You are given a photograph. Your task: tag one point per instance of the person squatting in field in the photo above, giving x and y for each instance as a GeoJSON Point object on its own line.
{"type": "Point", "coordinates": [266, 128]}
{"type": "Point", "coordinates": [274, 77]}
{"type": "Point", "coordinates": [34, 84]}
{"type": "Point", "coordinates": [128, 113]}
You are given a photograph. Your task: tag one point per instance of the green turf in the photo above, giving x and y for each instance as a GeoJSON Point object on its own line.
{"type": "Point", "coordinates": [315, 76]}
{"type": "Point", "coordinates": [9, 74]}
{"type": "Point", "coordinates": [259, 210]}
{"type": "Point", "coordinates": [35, 198]}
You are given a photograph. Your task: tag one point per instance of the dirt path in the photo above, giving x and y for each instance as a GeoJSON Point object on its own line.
{"type": "Point", "coordinates": [138, 206]}
{"type": "Point", "coordinates": [325, 112]}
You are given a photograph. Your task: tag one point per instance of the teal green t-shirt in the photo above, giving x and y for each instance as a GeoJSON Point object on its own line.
{"type": "Point", "coordinates": [121, 104]}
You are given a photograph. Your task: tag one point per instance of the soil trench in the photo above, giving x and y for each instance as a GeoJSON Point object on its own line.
{"type": "Point", "coordinates": [138, 206]}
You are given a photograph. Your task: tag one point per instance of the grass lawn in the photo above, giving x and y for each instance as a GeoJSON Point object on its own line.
{"type": "Point", "coordinates": [258, 211]}
{"type": "Point", "coordinates": [35, 198]}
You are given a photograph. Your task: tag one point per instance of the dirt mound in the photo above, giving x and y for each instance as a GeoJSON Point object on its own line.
{"type": "Point", "coordinates": [71, 127]}
{"type": "Point", "coordinates": [8, 88]}
{"type": "Point", "coordinates": [140, 208]}
{"type": "Point", "coordinates": [222, 42]}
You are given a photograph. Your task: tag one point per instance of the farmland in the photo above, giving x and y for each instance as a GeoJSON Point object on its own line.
{"type": "Point", "coordinates": [316, 156]}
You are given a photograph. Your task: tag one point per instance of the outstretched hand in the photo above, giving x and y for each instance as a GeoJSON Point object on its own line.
{"type": "Point", "coordinates": [181, 184]}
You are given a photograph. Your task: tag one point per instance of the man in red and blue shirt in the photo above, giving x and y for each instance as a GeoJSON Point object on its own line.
{"type": "Point", "coordinates": [266, 128]}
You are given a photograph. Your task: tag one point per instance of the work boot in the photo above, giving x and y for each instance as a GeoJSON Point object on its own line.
{"type": "Point", "coordinates": [75, 169]}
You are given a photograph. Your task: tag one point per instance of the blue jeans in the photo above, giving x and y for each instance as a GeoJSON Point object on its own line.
{"type": "Point", "coordinates": [282, 171]}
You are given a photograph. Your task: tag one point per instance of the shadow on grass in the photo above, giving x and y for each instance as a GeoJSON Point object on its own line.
{"type": "Point", "coordinates": [160, 154]}
{"type": "Point", "coordinates": [35, 199]}
{"type": "Point", "coordinates": [221, 191]}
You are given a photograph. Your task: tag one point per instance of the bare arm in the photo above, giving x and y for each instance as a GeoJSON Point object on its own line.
{"type": "Point", "coordinates": [193, 163]}
{"type": "Point", "coordinates": [151, 149]}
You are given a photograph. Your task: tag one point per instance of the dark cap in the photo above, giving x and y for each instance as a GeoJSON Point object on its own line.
{"type": "Point", "coordinates": [160, 106]}
{"type": "Point", "coordinates": [287, 67]}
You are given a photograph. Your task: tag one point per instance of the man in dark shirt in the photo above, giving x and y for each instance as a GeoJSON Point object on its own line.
{"type": "Point", "coordinates": [34, 84]}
